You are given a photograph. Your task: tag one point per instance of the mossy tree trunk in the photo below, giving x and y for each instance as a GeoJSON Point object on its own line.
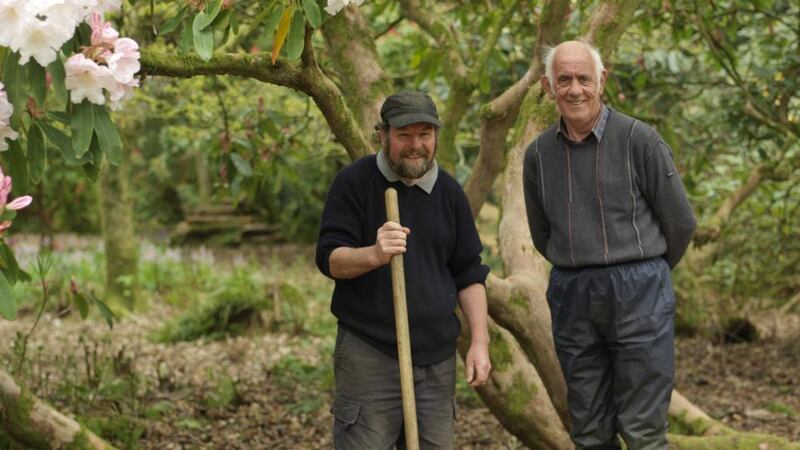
{"type": "Point", "coordinates": [119, 238]}
{"type": "Point", "coordinates": [34, 424]}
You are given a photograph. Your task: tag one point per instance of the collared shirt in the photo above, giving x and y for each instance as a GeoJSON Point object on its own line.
{"type": "Point", "coordinates": [425, 182]}
{"type": "Point", "coordinates": [597, 129]}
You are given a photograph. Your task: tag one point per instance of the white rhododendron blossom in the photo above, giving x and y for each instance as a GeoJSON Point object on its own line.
{"type": "Point", "coordinates": [39, 28]}
{"type": "Point", "coordinates": [41, 40]}
{"type": "Point", "coordinates": [334, 6]}
{"type": "Point", "coordinates": [109, 64]}
{"type": "Point", "coordinates": [87, 79]}
{"type": "Point", "coordinates": [13, 16]}
{"type": "Point", "coordinates": [6, 110]}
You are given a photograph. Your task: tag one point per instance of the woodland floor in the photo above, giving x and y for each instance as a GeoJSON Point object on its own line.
{"type": "Point", "coordinates": [270, 390]}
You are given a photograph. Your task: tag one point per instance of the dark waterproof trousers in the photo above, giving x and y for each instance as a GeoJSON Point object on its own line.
{"type": "Point", "coordinates": [613, 328]}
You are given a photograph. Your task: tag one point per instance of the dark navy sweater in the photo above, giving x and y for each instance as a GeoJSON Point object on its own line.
{"type": "Point", "coordinates": [442, 257]}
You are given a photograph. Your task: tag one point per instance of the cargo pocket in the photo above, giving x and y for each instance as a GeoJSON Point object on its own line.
{"type": "Point", "coordinates": [345, 414]}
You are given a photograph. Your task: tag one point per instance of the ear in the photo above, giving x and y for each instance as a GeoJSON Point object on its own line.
{"type": "Point", "coordinates": [546, 87]}
{"type": "Point", "coordinates": [383, 135]}
{"type": "Point", "coordinates": [603, 79]}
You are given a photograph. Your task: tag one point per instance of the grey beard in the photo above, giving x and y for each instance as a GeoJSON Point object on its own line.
{"type": "Point", "coordinates": [408, 171]}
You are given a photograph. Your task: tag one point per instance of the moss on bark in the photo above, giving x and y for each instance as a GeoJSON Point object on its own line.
{"type": "Point", "coordinates": [118, 236]}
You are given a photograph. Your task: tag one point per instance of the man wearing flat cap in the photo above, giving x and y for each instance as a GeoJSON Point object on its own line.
{"type": "Point", "coordinates": [443, 268]}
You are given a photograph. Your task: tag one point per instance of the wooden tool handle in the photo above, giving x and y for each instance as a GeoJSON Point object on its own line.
{"type": "Point", "coordinates": [403, 338]}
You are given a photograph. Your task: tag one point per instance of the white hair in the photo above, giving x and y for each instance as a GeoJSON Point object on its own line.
{"type": "Point", "coordinates": [550, 55]}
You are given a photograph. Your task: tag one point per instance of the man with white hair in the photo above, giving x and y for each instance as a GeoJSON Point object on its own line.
{"type": "Point", "coordinates": [607, 208]}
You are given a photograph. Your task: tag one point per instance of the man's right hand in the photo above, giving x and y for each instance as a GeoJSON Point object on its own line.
{"type": "Point", "coordinates": [391, 240]}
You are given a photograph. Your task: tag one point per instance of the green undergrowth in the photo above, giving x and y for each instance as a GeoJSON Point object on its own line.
{"type": "Point", "coordinates": [311, 384]}
{"type": "Point", "coordinates": [232, 310]}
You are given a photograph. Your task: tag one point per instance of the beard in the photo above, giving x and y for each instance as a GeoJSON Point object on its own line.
{"type": "Point", "coordinates": [411, 168]}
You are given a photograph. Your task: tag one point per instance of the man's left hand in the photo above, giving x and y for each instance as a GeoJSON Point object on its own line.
{"type": "Point", "coordinates": [478, 364]}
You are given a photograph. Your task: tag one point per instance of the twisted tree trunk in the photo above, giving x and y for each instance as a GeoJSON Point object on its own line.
{"type": "Point", "coordinates": [32, 423]}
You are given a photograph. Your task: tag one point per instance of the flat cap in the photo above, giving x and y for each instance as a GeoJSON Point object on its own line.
{"type": "Point", "coordinates": [407, 107]}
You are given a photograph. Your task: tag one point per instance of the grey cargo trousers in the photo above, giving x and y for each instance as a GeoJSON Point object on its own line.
{"type": "Point", "coordinates": [613, 328]}
{"type": "Point", "coordinates": [367, 404]}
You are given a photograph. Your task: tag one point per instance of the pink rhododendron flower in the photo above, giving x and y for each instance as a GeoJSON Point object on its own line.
{"type": "Point", "coordinates": [20, 202]}
{"type": "Point", "coordinates": [102, 33]}
{"type": "Point", "coordinates": [6, 111]}
{"type": "Point", "coordinates": [17, 204]}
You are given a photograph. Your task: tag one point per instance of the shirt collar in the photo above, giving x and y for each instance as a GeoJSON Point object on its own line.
{"type": "Point", "coordinates": [597, 129]}
{"type": "Point", "coordinates": [425, 182]}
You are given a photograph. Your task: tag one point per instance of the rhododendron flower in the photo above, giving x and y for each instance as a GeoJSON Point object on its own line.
{"type": "Point", "coordinates": [14, 16]}
{"type": "Point", "coordinates": [104, 6]}
{"type": "Point", "coordinates": [41, 39]}
{"type": "Point", "coordinates": [120, 93]}
{"type": "Point", "coordinates": [20, 202]}
{"type": "Point", "coordinates": [334, 6]}
{"type": "Point", "coordinates": [124, 62]}
{"type": "Point", "coordinates": [102, 33]}
{"type": "Point", "coordinates": [86, 79]}
{"type": "Point", "coordinates": [6, 111]}
{"type": "Point", "coordinates": [16, 205]}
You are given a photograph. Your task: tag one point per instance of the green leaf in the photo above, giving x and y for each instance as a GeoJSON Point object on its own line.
{"type": "Point", "coordinates": [223, 20]}
{"type": "Point", "coordinates": [272, 22]}
{"type": "Point", "coordinates": [186, 40]}
{"type": "Point", "coordinates": [9, 263]}
{"type": "Point", "coordinates": [171, 24]}
{"type": "Point", "coordinates": [104, 310]}
{"type": "Point", "coordinates": [236, 184]}
{"type": "Point", "coordinates": [36, 82]}
{"type": "Point", "coordinates": [60, 116]}
{"type": "Point", "coordinates": [82, 304]}
{"type": "Point", "coordinates": [37, 157]}
{"type": "Point", "coordinates": [56, 137]}
{"type": "Point", "coordinates": [57, 75]}
{"type": "Point", "coordinates": [203, 40]}
{"type": "Point", "coordinates": [313, 13]}
{"type": "Point", "coordinates": [294, 44]}
{"type": "Point", "coordinates": [8, 214]}
{"type": "Point", "coordinates": [8, 306]}
{"type": "Point", "coordinates": [17, 167]}
{"type": "Point", "coordinates": [15, 82]}
{"type": "Point", "coordinates": [204, 18]}
{"type": "Point", "coordinates": [272, 129]}
{"type": "Point", "coordinates": [282, 32]}
{"type": "Point", "coordinates": [241, 164]}
{"type": "Point", "coordinates": [82, 127]}
{"type": "Point", "coordinates": [92, 167]}
{"type": "Point", "coordinates": [107, 135]}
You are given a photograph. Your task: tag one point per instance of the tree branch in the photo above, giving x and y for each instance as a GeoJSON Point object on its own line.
{"type": "Point", "coordinates": [306, 77]}
{"type": "Point", "coordinates": [256, 66]}
{"type": "Point", "coordinates": [711, 230]}
{"type": "Point", "coordinates": [499, 115]}
{"type": "Point", "coordinates": [446, 38]}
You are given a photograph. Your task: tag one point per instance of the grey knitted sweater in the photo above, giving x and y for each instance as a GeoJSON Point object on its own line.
{"type": "Point", "coordinates": [612, 198]}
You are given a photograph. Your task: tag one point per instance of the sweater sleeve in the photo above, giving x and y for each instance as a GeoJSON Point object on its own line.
{"type": "Point", "coordinates": [666, 196]}
{"type": "Point", "coordinates": [534, 200]}
{"type": "Point", "coordinates": [341, 219]}
{"type": "Point", "coordinates": [465, 262]}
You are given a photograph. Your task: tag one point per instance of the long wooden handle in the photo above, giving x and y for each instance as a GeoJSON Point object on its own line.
{"type": "Point", "coordinates": [403, 339]}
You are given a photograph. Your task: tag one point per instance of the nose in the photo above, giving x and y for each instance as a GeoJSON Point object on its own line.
{"type": "Point", "coordinates": [414, 142]}
{"type": "Point", "coordinates": [574, 88]}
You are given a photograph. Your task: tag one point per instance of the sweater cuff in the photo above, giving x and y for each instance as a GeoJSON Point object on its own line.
{"type": "Point", "coordinates": [474, 274]}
